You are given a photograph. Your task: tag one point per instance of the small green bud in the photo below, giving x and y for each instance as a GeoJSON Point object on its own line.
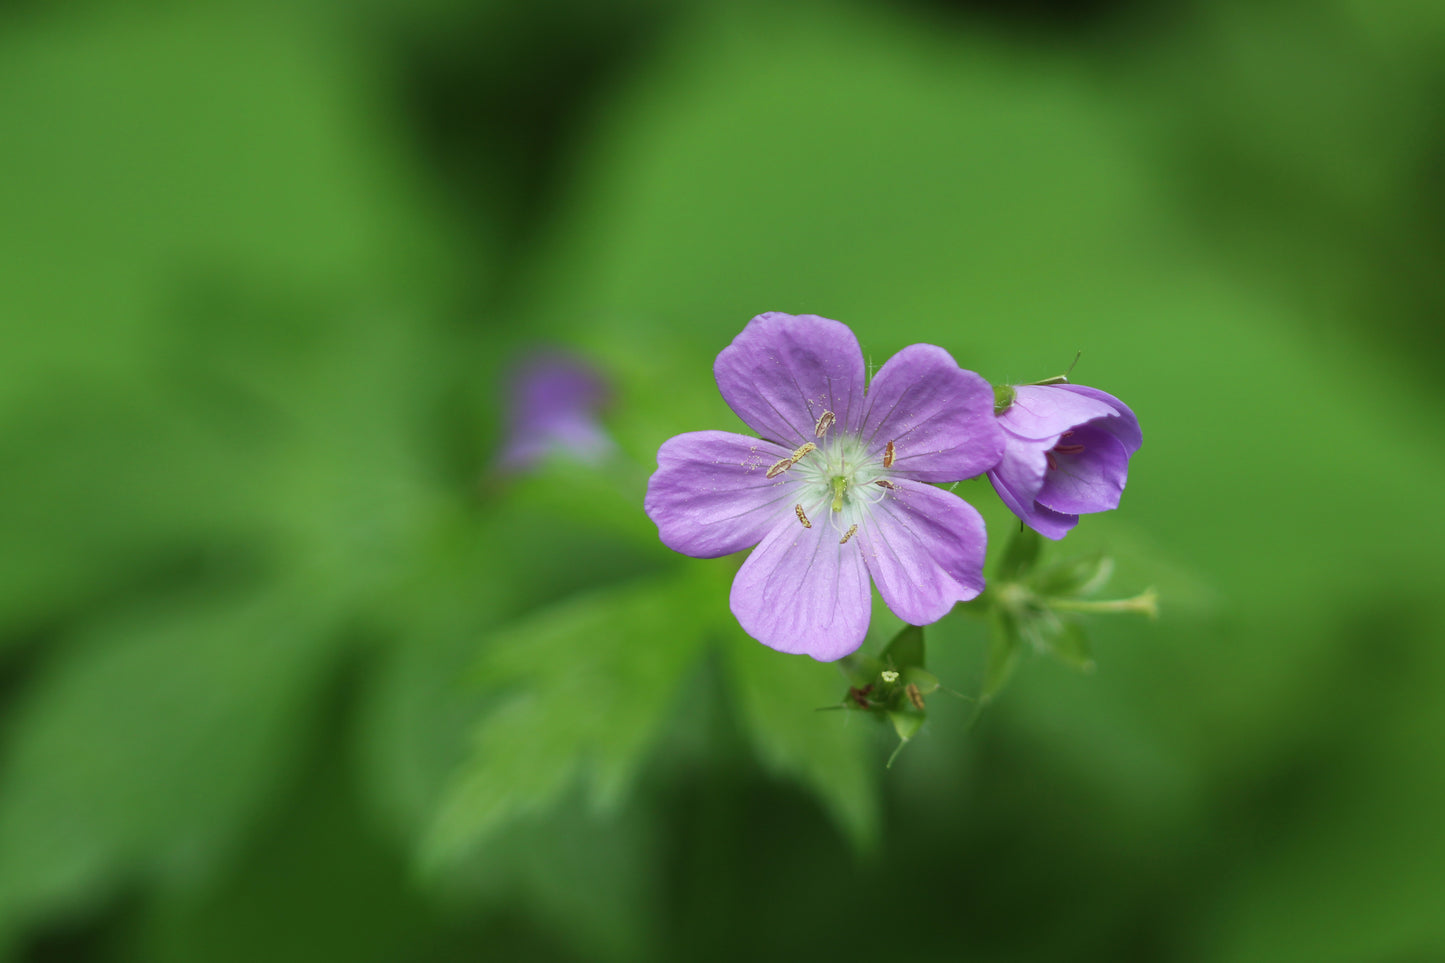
{"type": "Point", "coordinates": [1003, 398]}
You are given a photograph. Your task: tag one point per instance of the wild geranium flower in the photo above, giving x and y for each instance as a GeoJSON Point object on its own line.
{"type": "Point", "coordinates": [1067, 454]}
{"type": "Point", "coordinates": [837, 486]}
{"type": "Point", "coordinates": [552, 408]}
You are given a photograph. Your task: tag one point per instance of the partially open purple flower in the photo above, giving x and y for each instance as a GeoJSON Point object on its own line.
{"type": "Point", "coordinates": [552, 408]}
{"type": "Point", "coordinates": [1067, 455]}
{"type": "Point", "coordinates": [837, 488]}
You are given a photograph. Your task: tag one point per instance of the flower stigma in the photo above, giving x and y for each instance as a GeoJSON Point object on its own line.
{"type": "Point", "coordinates": [840, 474]}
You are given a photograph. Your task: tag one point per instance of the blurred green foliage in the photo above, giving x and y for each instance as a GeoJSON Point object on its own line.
{"type": "Point", "coordinates": [288, 673]}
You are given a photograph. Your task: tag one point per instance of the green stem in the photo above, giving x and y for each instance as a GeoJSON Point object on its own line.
{"type": "Point", "coordinates": [1145, 603]}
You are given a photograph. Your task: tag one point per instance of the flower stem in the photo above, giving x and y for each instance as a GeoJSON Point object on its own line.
{"type": "Point", "coordinates": [1145, 603]}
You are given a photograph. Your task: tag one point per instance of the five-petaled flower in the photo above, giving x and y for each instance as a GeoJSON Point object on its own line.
{"type": "Point", "coordinates": [1067, 454]}
{"type": "Point", "coordinates": [837, 487]}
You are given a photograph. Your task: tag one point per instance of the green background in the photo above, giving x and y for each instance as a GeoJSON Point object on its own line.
{"type": "Point", "coordinates": [287, 673]}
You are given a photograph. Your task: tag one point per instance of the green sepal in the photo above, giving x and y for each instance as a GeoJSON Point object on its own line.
{"type": "Point", "coordinates": [1021, 555]}
{"type": "Point", "coordinates": [1003, 652]}
{"type": "Point", "coordinates": [1070, 644]}
{"type": "Point", "coordinates": [861, 669]}
{"type": "Point", "coordinates": [1073, 577]}
{"type": "Point", "coordinates": [906, 722]}
{"type": "Point", "coordinates": [906, 649]}
{"type": "Point", "coordinates": [1003, 398]}
{"type": "Point", "coordinates": [926, 681]}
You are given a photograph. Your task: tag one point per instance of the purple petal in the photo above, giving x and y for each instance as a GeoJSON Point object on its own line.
{"type": "Point", "coordinates": [1019, 475]}
{"type": "Point", "coordinates": [1046, 411]}
{"type": "Point", "coordinates": [925, 549]}
{"type": "Point", "coordinates": [783, 371]}
{"type": "Point", "coordinates": [1018, 480]}
{"type": "Point", "coordinates": [1049, 523]}
{"type": "Point", "coordinates": [938, 416]}
{"type": "Point", "coordinates": [1088, 481]}
{"type": "Point", "coordinates": [711, 496]}
{"type": "Point", "coordinates": [1125, 427]}
{"type": "Point", "coordinates": [800, 591]}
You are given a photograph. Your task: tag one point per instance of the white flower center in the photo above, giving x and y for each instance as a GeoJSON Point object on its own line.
{"type": "Point", "coordinates": [840, 478]}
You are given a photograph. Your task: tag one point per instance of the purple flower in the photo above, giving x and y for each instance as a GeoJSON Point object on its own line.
{"type": "Point", "coordinates": [1067, 454]}
{"type": "Point", "coordinates": [836, 488]}
{"type": "Point", "coordinates": [552, 408]}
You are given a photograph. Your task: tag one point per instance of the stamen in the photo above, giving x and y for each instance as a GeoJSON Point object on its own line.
{"type": "Point", "coordinates": [1068, 449]}
{"type": "Point", "coordinates": [914, 696]}
{"type": "Point", "coordinates": [801, 517]}
{"type": "Point", "coordinates": [1049, 457]}
{"type": "Point", "coordinates": [886, 484]}
{"type": "Point", "coordinates": [825, 421]}
{"type": "Point", "coordinates": [852, 530]}
{"type": "Point", "coordinates": [888, 452]}
{"type": "Point", "coordinates": [791, 460]}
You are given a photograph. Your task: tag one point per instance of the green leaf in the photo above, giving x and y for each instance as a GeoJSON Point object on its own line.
{"type": "Point", "coordinates": [149, 745]}
{"type": "Point", "coordinates": [776, 697]}
{"type": "Point", "coordinates": [906, 649]}
{"type": "Point", "coordinates": [580, 691]}
{"type": "Point", "coordinates": [1021, 555]}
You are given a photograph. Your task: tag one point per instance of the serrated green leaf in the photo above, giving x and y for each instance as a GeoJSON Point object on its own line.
{"type": "Point", "coordinates": [906, 649]}
{"type": "Point", "coordinates": [777, 695]}
{"type": "Point", "coordinates": [579, 690]}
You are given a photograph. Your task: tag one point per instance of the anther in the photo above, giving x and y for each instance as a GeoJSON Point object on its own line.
{"type": "Point", "coordinates": [1073, 449]}
{"type": "Point", "coordinates": [888, 451]}
{"type": "Point", "coordinates": [852, 530]}
{"type": "Point", "coordinates": [791, 460]}
{"type": "Point", "coordinates": [1049, 457]}
{"type": "Point", "coordinates": [914, 696]}
{"type": "Point", "coordinates": [801, 517]}
{"type": "Point", "coordinates": [885, 483]}
{"type": "Point", "coordinates": [825, 421]}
